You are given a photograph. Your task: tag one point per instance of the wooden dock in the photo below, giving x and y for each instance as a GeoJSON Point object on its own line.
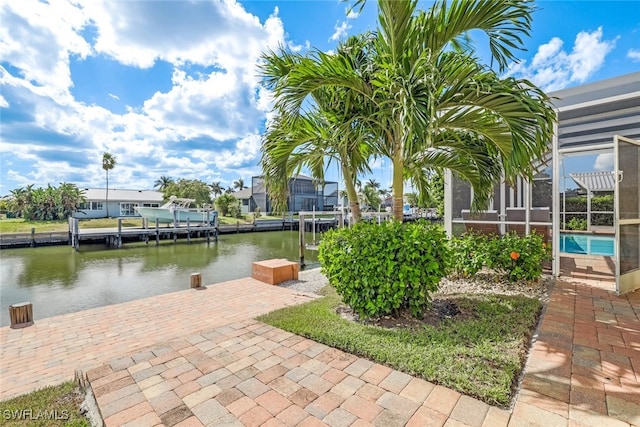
{"type": "Point", "coordinates": [117, 236]}
{"type": "Point", "coordinates": [114, 237]}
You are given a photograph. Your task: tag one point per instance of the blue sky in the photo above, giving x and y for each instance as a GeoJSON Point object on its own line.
{"type": "Point", "coordinates": [170, 87]}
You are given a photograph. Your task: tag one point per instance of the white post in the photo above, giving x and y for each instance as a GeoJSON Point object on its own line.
{"type": "Point", "coordinates": [313, 224]}
{"type": "Point", "coordinates": [526, 185]}
{"type": "Point", "coordinates": [555, 185]}
{"type": "Point", "coordinates": [589, 209]}
{"type": "Point", "coordinates": [448, 203]}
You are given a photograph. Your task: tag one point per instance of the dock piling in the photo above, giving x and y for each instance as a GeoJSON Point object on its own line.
{"type": "Point", "coordinates": [21, 315]}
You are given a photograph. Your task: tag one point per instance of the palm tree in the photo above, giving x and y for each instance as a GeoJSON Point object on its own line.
{"type": "Point", "coordinates": [163, 182]}
{"type": "Point", "coordinates": [371, 196]}
{"type": "Point", "coordinates": [432, 104]}
{"type": "Point", "coordinates": [238, 184]}
{"type": "Point", "coordinates": [108, 163]}
{"type": "Point", "coordinates": [329, 131]}
{"type": "Point", "coordinates": [216, 188]}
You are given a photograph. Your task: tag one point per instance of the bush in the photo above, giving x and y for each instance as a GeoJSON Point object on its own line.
{"type": "Point", "coordinates": [515, 257]}
{"type": "Point", "coordinates": [225, 202]}
{"type": "Point", "coordinates": [380, 269]}
{"type": "Point", "coordinates": [468, 254]}
{"type": "Point", "coordinates": [576, 224]}
{"type": "Point", "coordinates": [235, 211]}
{"type": "Point", "coordinates": [518, 257]}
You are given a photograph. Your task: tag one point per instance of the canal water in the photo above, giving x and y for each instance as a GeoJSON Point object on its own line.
{"type": "Point", "coordinates": [58, 280]}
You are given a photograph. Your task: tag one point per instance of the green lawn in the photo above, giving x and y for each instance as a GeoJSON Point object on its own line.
{"type": "Point", "coordinates": [481, 356]}
{"type": "Point", "coordinates": [50, 406]}
{"type": "Point", "coordinates": [19, 225]}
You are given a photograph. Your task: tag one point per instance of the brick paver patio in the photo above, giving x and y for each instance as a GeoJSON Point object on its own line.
{"type": "Point", "coordinates": [197, 358]}
{"type": "Point", "coordinates": [48, 352]}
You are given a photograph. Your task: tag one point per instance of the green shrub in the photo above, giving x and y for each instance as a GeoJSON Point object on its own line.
{"type": "Point", "coordinates": [576, 224]}
{"type": "Point", "coordinates": [468, 254]}
{"type": "Point", "coordinates": [225, 202]}
{"type": "Point", "coordinates": [379, 269]}
{"type": "Point", "coordinates": [518, 257]}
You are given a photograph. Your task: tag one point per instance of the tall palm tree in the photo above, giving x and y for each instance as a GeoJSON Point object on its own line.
{"type": "Point", "coordinates": [108, 163]}
{"type": "Point", "coordinates": [216, 188]}
{"type": "Point", "coordinates": [163, 182]}
{"type": "Point", "coordinates": [432, 104]}
{"type": "Point", "coordinates": [238, 184]}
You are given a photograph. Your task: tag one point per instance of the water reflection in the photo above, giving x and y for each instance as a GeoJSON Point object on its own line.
{"type": "Point", "coordinates": [59, 280]}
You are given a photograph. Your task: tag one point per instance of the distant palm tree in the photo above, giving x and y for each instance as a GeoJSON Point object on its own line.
{"type": "Point", "coordinates": [238, 184]}
{"type": "Point", "coordinates": [373, 183]}
{"type": "Point", "coordinates": [229, 190]}
{"type": "Point", "coordinates": [216, 188]}
{"type": "Point", "coordinates": [162, 183]}
{"type": "Point", "coordinates": [108, 163]}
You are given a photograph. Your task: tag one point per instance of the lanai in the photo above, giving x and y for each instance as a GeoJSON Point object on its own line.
{"type": "Point", "coordinates": [596, 122]}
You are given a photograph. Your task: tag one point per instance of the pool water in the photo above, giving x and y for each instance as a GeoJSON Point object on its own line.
{"type": "Point", "coordinates": [587, 244]}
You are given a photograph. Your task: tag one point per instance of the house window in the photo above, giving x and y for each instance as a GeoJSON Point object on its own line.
{"type": "Point", "coordinates": [91, 206]}
{"type": "Point", "coordinates": [127, 209]}
{"type": "Point", "coordinates": [151, 205]}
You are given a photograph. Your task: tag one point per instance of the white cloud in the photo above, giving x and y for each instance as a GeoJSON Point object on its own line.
{"type": "Point", "coordinates": [220, 107]}
{"type": "Point", "coordinates": [217, 33]}
{"type": "Point", "coordinates": [604, 162]}
{"type": "Point", "coordinates": [38, 40]}
{"type": "Point", "coordinates": [340, 30]}
{"type": "Point", "coordinates": [634, 54]}
{"type": "Point", "coordinates": [552, 68]}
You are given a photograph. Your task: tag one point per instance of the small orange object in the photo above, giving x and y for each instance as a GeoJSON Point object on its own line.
{"type": "Point", "coordinates": [515, 255]}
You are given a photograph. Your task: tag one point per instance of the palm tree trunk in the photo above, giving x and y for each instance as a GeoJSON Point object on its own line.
{"type": "Point", "coordinates": [398, 184]}
{"type": "Point", "coordinates": [106, 202]}
{"type": "Point", "coordinates": [352, 195]}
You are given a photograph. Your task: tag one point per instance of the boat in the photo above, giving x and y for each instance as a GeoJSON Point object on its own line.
{"type": "Point", "coordinates": [176, 211]}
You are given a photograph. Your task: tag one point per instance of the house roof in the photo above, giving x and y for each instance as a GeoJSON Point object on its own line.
{"type": "Point", "coordinates": [595, 181]}
{"type": "Point", "coordinates": [245, 193]}
{"type": "Point", "coordinates": [123, 195]}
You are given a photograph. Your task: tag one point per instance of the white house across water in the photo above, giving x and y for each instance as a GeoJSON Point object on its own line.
{"type": "Point", "coordinates": [595, 153]}
{"type": "Point", "coordinates": [121, 203]}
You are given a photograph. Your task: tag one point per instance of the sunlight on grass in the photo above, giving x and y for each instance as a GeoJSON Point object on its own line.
{"type": "Point", "coordinates": [481, 356]}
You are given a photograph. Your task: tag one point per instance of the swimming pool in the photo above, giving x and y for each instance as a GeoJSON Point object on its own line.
{"type": "Point", "coordinates": [587, 244]}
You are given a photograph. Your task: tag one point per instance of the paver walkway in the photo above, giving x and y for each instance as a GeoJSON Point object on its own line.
{"type": "Point", "coordinates": [585, 364]}
{"type": "Point", "coordinates": [213, 365]}
{"type": "Point", "coordinates": [48, 352]}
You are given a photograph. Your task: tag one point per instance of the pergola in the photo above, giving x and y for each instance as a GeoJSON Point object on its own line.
{"type": "Point", "coordinates": [594, 182]}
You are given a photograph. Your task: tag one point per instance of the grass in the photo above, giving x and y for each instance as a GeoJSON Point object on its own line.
{"type": "Point", "coordinates": [481, 356]}
{"type": "Point", "coordinates": [49, 406]}
{"type": "Point", "coordinates": [19, 225]}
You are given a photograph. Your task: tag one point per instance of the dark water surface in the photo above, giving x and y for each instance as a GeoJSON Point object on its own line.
{"type": "Point", "coordinates": [58, 280]}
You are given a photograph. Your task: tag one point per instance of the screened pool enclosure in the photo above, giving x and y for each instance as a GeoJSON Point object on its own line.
{"type": "Point", "coordinates": [584, 199]}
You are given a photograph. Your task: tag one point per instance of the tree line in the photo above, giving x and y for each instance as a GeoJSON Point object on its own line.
{"type": "Point", "coordinates": [44, 204]}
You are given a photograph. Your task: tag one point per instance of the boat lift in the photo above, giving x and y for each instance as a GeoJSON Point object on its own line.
{"type": "Point", "coordinates": [336, 218]}
{"type": "Point", "coordinates": [329, 218]}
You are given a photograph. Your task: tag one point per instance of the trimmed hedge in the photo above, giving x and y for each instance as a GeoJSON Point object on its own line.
{"type": "Point", "coordinates": [380, 269]}
{"type": "Point", "coordinates": [515, 257]}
